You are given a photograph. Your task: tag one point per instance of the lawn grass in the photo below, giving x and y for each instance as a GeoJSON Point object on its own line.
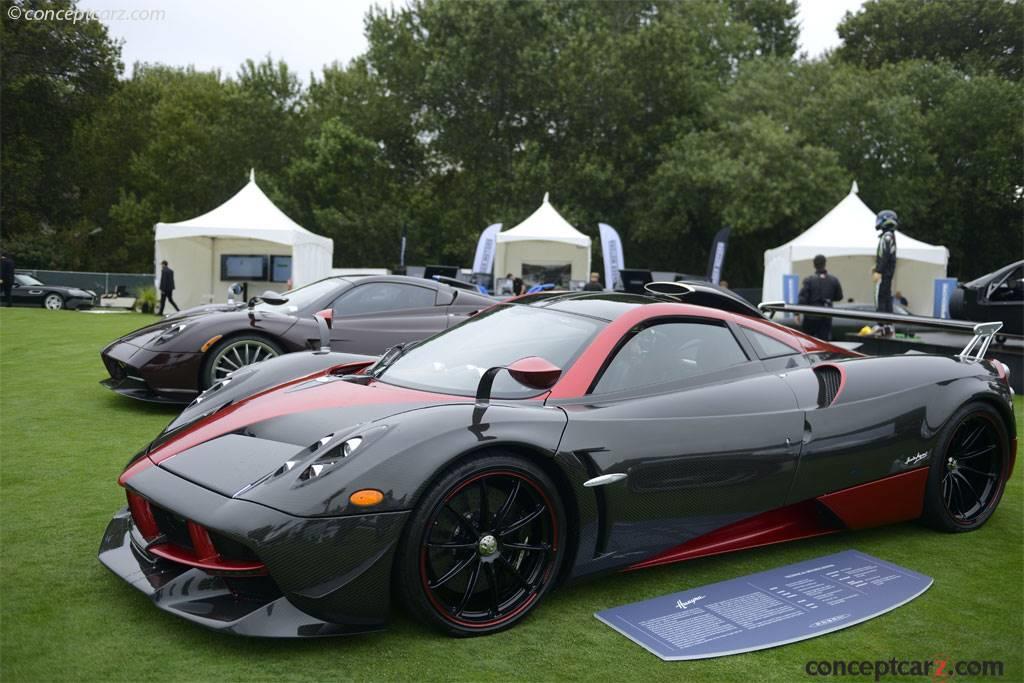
{"type": "Point", "coordinates": [64, 439]}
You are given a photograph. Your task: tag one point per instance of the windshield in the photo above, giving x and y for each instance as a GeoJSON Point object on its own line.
{"type": "Point", "coordinates": [26, 280]}
{"type": "Point", "coordinates": [453, 361]}
{"type": "Point", "coordinates": [303, 297]}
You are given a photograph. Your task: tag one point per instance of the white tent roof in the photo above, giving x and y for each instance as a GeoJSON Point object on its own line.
{"type": "Point", "coordinates": [545, 224]}
{"type": "Point", "coordinates": [247, 215]}
{"type": "Point", "coordinates": [849, 230]}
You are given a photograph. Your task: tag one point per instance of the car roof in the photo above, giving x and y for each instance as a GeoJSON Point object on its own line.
{"type": "Point", "coordinates": [464, 294]}
{"type": "Point", "coordinates": [611, 305]}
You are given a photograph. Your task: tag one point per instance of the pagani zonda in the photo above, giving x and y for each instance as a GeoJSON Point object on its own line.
{"type": "Point", "coordinates": [542, 440]}
{"type": "Point", "coordinates": [174, 359]}
{"type": "Point", "coordinates": [29, 291]}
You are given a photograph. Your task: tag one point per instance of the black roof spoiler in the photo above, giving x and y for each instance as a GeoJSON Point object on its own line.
{"type": "Point", "coordinates": [703, 294]}
{"type": "Point", "coordinates": [975, 349]}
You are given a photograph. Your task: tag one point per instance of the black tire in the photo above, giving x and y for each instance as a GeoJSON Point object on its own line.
{"type": "Point", "coordinates": [53, 301]}
{"type": "Point", "coordinates": [968, 471]}
{"type": "Point", "coordinates": [221, 357]}
{"type": "Point", "coordinates": [488, 576]}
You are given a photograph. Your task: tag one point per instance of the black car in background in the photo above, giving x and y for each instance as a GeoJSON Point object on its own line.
{"type": "Point", "coordinates": [996, 296]}
{"type": "Point", "coordinates": [28, 291]}
{"type": "Point", "coordinates": [172, 360]}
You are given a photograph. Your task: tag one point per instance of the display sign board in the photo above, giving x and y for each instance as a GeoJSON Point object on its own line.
{"type": "Point", "coordinates": [791, 288]}
{"type": "Point", "coordinates": [944, 288]}
{"type": "Point", "coordinates": [775, 607]}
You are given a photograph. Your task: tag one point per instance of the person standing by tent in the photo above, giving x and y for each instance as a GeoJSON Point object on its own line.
{"type": "Point", "coordinates": [820, 289]}
{"type": "Point", "coordinates": [885, 263]}
{"type": "Point", "coordinates": [166, 287]}
{"type": "Point", "coordinates": [594, 285]}
{"type": "Point", "coordinates": [7, 278]}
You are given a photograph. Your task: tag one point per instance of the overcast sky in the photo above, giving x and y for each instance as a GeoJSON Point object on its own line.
{"type": "Point", "coordinates": [307, 34]}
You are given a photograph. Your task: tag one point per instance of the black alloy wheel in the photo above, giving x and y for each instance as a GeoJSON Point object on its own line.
{"type": "Point", "coordinates": [968, 474]}
{"type": "Point", "coordinates": [483, 547]}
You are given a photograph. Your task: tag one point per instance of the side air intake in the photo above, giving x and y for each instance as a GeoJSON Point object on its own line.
{"type": "Point", "coordinates": [830, 382]}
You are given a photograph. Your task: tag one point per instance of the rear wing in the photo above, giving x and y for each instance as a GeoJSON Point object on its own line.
{"type": "Point", "coordinates": [975, 349]}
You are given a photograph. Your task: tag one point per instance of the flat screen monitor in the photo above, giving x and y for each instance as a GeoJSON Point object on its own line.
{"type": "Point", "coordinates": [280, 268]}
{"type": "Point", "coordinates": [633, 280]}
{"type": "Point", "coordinates": [243, 267]}
{"type": "Point", "coordinates": [446, 271]}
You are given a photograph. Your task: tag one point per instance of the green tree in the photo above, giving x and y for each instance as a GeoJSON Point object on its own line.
{"type": "Point", "coordinates": [976, 36]}
{"type": "Point", "coordinates": [54, 74]}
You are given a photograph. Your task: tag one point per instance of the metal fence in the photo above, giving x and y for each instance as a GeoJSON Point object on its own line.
{"type": "Point", "coordinates": [101, 283]}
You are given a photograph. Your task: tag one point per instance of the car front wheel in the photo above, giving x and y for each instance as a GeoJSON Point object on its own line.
{"type": "Point", "coordinates": [235, 353]}
{"type": "Point", "coordinates": [483, 547]}
{"type": "Point", "coordinates": [53, 302]}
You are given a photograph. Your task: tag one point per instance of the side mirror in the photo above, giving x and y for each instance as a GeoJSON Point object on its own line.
{"type": "Point", "coordinates": [324, 321]}
{"type": "Point", "coordinates": [273, 298]}
{"type": "Point", "coordinates": [533, 372]}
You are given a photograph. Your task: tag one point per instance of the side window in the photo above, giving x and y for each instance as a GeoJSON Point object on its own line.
{"type": "Point", "coordinates": [768, 347]}
{"type": "Point", "coordinates": [669, 352]}
{"type": "Point", "coordinates": [381, 297]}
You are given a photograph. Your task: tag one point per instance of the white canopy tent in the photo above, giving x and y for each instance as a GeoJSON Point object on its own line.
{"type": "Point", "coordinates": [846, 236]}
{"type": "Point", "coordinates": [544, 240]}
{"type": "Point", "coordinates": [247, 224]}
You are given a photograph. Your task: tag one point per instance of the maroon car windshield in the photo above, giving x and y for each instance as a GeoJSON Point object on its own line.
{"type": "Point", "coordinates": [453, 361]}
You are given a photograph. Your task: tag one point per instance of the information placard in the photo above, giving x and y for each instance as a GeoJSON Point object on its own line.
{"type": "Point", "coordinates": [775, 607]}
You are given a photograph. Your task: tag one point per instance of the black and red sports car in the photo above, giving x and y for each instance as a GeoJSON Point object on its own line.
{"type": "Point", "coordinates": [542, 440]}
{"type": "Point", "coordinates": [174, 359]}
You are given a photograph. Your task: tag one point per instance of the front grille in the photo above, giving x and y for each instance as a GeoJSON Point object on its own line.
{"type": "Point", "coordinates": [830, 378]}
{"type": "Point", "coordinates": [173, 527]}
{"type": "Point", "coordinates": [230, 549]}
{"type": "Point", "coordinates": [116, 368]}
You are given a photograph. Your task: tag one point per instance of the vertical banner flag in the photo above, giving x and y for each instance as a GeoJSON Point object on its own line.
{"type": "Point", "coordinates": [611, 252]}
{"type": "Point", "coordinates": [944, 288]}
{"type": "Point", "coordinates": [401, 252]}
{"type": "Point", "coordinates": [790, 288]}
{"type": "Point", "coordinates": [483, 262]}
{"type": "Point", "coordinates": [717, 256]}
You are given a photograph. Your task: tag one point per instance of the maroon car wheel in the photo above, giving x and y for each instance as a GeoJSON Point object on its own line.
{"type": "Point", "coordinates": [236, 353]}
{"type": "Point", "coordinates": [483, 547]}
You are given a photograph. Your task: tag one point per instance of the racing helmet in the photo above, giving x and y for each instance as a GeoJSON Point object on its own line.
{"type": "Point", "coordinates": [886, 220]}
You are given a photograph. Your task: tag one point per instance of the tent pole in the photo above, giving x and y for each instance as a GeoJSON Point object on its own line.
{"type": "Point", "coordinates": [213, 266]}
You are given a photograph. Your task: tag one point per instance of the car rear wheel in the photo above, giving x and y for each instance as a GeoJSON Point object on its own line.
{"type": "Point", "coordinates": [53, 302]}
{"type": "Point", "coordinates": [234, 353]}
{"type": "Point", "coordinates": [968, 471]}
{"type": "Point", "coordinates": [483, 547]}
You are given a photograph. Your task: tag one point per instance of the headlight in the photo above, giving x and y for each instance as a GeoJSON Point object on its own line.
{"type": "Point", "coordinates": [350, 445]}
{"type": "Point", "coordinates": [171, 332]}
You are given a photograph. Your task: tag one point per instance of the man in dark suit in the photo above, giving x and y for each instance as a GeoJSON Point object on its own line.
{"type": "Point", "coordinates": [166, 287]}
{"type": "Point", "coordinates": [7, 278]}
{"type": "Point", "coordinates": [820, 289]}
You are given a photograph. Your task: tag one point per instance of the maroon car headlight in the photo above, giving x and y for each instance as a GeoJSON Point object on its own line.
{"type": "Point", "coordinates": [171, 332]}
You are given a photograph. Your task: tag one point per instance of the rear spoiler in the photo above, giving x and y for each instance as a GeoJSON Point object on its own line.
{"type": "Point", "coordinates": [975, 349]}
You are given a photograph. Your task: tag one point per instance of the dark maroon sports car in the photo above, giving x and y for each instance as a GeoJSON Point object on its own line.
{"type": "Point", "coordinates": [171, 361]}
{"type": "Point", "coordinates": [540, 441]}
